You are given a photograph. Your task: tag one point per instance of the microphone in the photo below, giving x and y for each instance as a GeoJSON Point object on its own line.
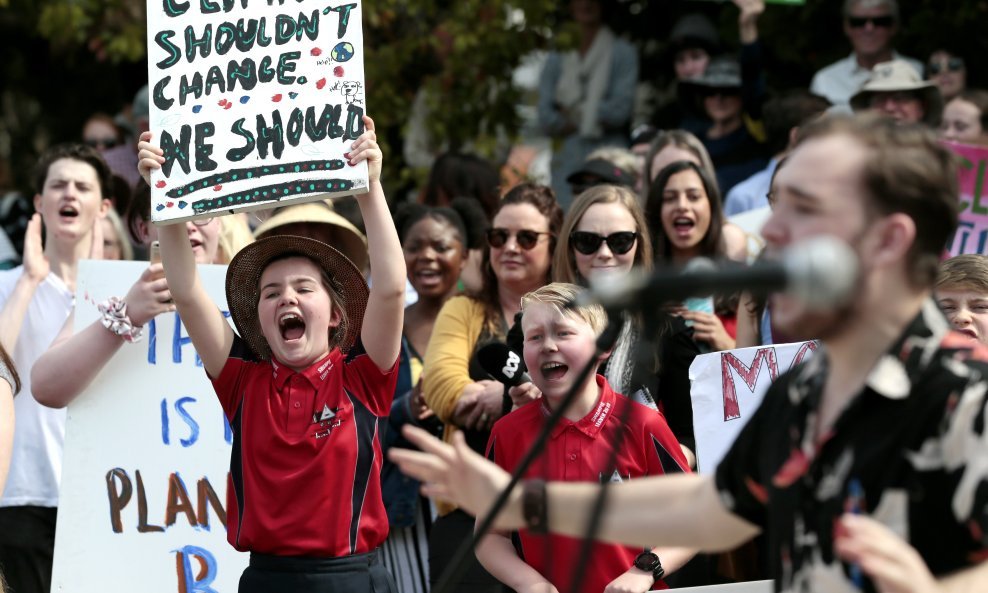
{"type": "Point", "coordinates": [503, 364]}
{"type": "Point", "coordinates": [820, 272]}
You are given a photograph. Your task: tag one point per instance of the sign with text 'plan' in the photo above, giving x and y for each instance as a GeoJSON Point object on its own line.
{"type": "Point", "coordinates": [254, 102]}
{"type": "Point", "coordinates": [146, 460]}
{"type": "Point", "coordinates": [727, 387]}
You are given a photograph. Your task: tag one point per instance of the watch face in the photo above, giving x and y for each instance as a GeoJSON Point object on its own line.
{"type": "Point", "coordinates": [647, 561]}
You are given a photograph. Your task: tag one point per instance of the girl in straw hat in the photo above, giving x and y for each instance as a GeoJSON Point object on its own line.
{"type": "Point", "coordinates": [305, 385]}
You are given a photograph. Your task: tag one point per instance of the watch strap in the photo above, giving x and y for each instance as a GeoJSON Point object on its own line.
{"type": "Point", "coordinates": [534, 506]}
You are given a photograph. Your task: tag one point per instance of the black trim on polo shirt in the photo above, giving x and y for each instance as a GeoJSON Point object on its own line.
{"type": "Point", "coordinates": [237, 467]}
{"type": "Point", "coordinates": [365, 426]}
{"type": "Point", "coordinates": [668, 462]}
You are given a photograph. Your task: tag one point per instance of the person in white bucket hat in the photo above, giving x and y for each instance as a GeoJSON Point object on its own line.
{"type": "Point", "coordinates": [896, 89]}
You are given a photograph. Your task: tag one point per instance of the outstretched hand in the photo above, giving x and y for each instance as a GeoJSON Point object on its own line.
{"type": "Point", "coordinates": [149, 157]}
{"type": "Point", "coordinates": [365, 148]}
{"type": "Point", "coordinates": [454, 473]}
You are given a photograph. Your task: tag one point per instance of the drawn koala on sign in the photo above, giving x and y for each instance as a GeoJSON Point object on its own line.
{"type": "Point", "coordinates": [350, 90]}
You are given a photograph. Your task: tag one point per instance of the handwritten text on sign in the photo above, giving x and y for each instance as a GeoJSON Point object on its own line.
{"type": "Point", "coordinates": [147, 454]}
{"type": "Point", "coordinates": [727, 388]}
{"type": "Point", "coordinates": [253, 102]}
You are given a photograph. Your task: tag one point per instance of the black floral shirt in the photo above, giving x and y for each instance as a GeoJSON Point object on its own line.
{"type": "Point", "coordinates": [910, 451]}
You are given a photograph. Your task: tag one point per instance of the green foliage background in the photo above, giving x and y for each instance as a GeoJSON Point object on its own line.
{"type": "Point", "coordinates": [64, 59]}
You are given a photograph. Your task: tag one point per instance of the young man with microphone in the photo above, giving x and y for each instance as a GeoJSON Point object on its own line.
{"type": "Point", "coordinates": [865, 466]}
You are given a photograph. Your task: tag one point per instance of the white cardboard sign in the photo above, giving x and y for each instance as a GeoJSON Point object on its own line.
{"type": "Point", "coordinates": [254, 102]}
{"type": "Point", "coordinates": [726, 389]}
{"type": "Point", "coordinates": [147, 454]}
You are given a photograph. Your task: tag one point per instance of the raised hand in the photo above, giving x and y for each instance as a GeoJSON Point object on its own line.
{"type": "Point", "coordinates": [96, 248]}
{"type": "Point", "coordinates": [149, 157]}
{"type": "Point", "coordinates": [36, 265]}
{"type": "Point", "coordinates": [365, 148]}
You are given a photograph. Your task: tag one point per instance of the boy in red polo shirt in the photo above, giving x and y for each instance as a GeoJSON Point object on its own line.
{"type": "Point", "coordinates": [306, 386]}
{"type": "Point", "coordinates": [559, 342]}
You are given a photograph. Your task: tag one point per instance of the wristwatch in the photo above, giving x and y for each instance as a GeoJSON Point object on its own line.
{"type": "Point", "coordinates": [649, 562]}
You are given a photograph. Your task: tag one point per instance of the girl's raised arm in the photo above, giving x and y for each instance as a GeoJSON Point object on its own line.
{"type": "Point", "coordinates": [381, 331]}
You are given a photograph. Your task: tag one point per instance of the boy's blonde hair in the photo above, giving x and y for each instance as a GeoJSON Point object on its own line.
{"type": "Point", "coordinates": [561, 294]}
{"type": "Point", "coordinates": [963, 272]}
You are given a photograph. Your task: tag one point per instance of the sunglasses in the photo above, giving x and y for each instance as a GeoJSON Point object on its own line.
{"type": "Point", "coordinates": [526, 239]}
{"type": "Point", "coordinates": [588, 243]}
{"type": "Point", "coordinates": [101, 142]}
{"type": "Point", "coordinates": [858, 22]}
{"type": "Point", "coordinates": [952, 65]}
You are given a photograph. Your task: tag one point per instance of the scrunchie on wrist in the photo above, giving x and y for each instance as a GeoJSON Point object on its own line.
{"type": "Point", "coordinates": [115, 319]}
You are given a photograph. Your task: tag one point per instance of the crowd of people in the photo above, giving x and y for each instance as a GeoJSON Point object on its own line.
{"type": "Point", "coordinates": [405, 299]}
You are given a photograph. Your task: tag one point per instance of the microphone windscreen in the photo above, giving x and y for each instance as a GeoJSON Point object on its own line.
{"type": "Point", "coordinates": [823, 271]}
{"type": "Point", "coordinates": [503, 364]}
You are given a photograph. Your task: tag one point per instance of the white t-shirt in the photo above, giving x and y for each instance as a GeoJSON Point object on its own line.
{"type": "Point", "coordinates": [39, 433]}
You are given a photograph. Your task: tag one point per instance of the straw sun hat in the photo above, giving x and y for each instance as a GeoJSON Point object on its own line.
{"type": "Point", "coordinates": [243, 278]}
{"type": "Point", "coordinates": [321, 212]}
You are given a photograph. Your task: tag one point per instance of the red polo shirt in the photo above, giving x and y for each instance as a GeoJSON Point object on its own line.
{"type": "Point", "coordinates": [305, 471]}
{"type": "Point", "coordinates": [579, 452]}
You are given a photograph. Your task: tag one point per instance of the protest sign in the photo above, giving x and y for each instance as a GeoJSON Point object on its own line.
{"type": "Point", "coordinates": [726, 389]}
{"type": "Point", "coordinates": [254, 102]}
{"type": "Point", "coordinates": [972, 227]}
{"type": "Point", "coordinates": [146, 460]}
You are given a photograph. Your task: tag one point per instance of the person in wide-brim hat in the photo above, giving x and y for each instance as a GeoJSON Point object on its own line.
{"type": "Point", "coordinates": [341, 278]}
{"type": "Point", "coordinates": [722, 73]}
{"type": "Point", "coordinates": [896, 89]}
{"type": "Point", "coordinates": [318, 220]}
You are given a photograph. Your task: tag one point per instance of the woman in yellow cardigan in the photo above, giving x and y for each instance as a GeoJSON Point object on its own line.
{"type": "Point", "coordinates": [517, 259]}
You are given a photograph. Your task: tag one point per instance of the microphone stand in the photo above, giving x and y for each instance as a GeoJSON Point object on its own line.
{"type": "Point", "coordinates": [458, 564]}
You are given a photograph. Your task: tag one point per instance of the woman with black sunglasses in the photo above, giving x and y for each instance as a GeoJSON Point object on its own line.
{"type": "Point", "coordinates": [948, 71]}
{"type": "Point", "coordinates": [516, 259]}
{"type": "Point", "coordinates": [605, 233]}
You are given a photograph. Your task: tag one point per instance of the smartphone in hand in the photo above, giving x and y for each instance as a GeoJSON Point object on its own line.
{"type": "Point", "coordinates": [701, 304]}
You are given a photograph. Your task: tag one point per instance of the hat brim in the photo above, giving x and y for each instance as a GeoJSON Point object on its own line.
{"type": "Point", "coordinates": [243, 277]}
{"type": "Point", "coordinates": [720, 82]}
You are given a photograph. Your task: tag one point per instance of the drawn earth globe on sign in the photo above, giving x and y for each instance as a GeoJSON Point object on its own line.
{"type": "Point", "coordinates": [342, 52]}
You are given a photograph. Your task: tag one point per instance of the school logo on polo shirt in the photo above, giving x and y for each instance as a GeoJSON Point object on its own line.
{"type": "Point", "coordinates": [326, 421]}
{"type": "Point", "coordinates": [615, 478]}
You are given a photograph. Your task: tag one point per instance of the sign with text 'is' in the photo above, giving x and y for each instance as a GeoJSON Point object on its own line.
{"type": "Point", "coordinates": [147, 454]}
{"type": "Point", "coordinates": [727, 387]}
{"type": "Point", "coordinates": [254, 103]}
